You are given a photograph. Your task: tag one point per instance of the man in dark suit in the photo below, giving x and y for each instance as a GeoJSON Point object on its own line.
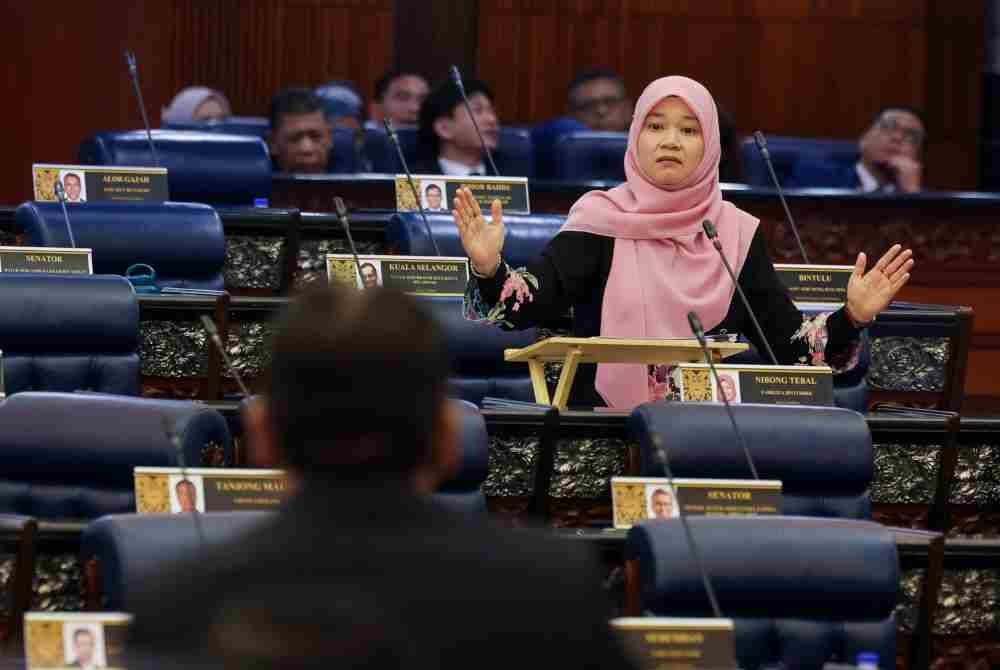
{"type": "Point", "coordinates": [362, 568]}
{"type": "Point", "coordinates": [890, 162]}
{"type": "Point", "coordinates": [447, 142]}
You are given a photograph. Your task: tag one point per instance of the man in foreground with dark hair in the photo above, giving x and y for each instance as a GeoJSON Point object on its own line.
{"type": "Point", "coordinates": [362, 568]}
{"type": "Point", "coordinates": [398, 96]}
{"type": "Point", "coordinates": [448, 143]}
{"type": "Point", "coordinates": [301, 137]}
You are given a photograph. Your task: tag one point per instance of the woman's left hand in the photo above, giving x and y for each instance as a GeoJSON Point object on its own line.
{"type": "Point", "coordinates": [868, 294]}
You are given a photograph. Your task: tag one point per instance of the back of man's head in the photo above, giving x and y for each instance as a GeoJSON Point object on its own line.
{"type": "Point", "coordinates": [442, 101]}
{"type": "Point", "coordinates": [293, 101]}
{"type": "Point", "coordinates": [357, 383]}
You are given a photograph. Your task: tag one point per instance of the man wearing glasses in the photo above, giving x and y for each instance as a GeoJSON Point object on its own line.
{"type": "Point", "coordinates": [597, 99]}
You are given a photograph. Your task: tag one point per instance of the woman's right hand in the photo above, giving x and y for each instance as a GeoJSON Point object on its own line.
{"type": "Point", "coordinates": [482, 241]}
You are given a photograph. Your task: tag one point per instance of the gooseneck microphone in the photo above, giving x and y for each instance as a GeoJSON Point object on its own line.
{"type": "Point", "coordinates": [409, 177]}
{"type": "Point", "coordinates": [61, 194]}
{"type": "Point", "coordinates": [134, 75]}
{"type": "Point", "coordinates": [713, 235]}
{"type": "Point", "coordinates": [338, 204]}
{"type": "Point", "coordinates": [456, 77]}
{"type": "Point", "coordinates": [699, 332]}
{"type": "Point", "coordinates": [660, 454]}
{"type": "Point", "coordinates": [213, 334]}
{"type": "Point", "coordinates": [761, 142]}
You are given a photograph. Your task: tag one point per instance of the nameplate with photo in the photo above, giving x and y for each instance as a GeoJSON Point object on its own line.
{"type": "Point", "coordinates": [177, 490]}
{"type": "Point", "coordinates": [637, 499]}
{"type": "Point", "coordinates": [437, 193]}
{"type": "Point", "coordinates": [762, 384]}
{"type": "Point", "coordinates": [416, 275]}
{"type": "Point", "coordinates": [815, 283]}
{"type": "Point", "coordinates": [668, 643]}
{"type": "Point", "coordinates": [100, 183]}
{"type": "Point", "coordinates": [75, 640]}
{"type": "Point", "coordinates": [49, 260]}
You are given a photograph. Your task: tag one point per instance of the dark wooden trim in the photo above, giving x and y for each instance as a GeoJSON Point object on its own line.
{"type": "Point", "coordinates": [21, 580]}
{"type": "Point", "coordinates": [633, 592]}
{"type": "Point", "coordinates": [432, 35]}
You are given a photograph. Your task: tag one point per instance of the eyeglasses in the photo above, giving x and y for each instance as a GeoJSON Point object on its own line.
{"type": "Point", "coordinates": [911, 135]}
{"type": "Point", "coordinates": [592, 105]}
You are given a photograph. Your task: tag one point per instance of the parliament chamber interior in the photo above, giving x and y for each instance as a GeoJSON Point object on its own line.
{"type": "Point", "coordinates": [498, 333]}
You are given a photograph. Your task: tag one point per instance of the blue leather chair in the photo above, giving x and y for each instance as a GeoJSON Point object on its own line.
{"type": "Point", "coordinates": [788, 152]}
{"type": "Point", "coordinates": [213, 168]}
{"type": "Point", "coordinates": [514, 156]}
{"type": "Point", "coordinates": [72, 455]}
{"type": "Point", "coordinates": [802, 592]}
{"type": "Point", "coordinates": [464, 491]}
{"type": "Point", "coordinates": [127, 549]}
{"type": "Point", "coordinates": [589, 155]}
{"type": "Point", "coordinates": [184, 242]}
{"type": "Point", "coordinates": [822, 455]}
{"type": "Point", "coordinates": [69, 333]}
{"type": "Point", "coordinates": [255, 126]}
{"type": "Point", "coordinates": [544, 137]}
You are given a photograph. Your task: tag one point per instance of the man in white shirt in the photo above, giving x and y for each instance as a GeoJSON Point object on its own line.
{"type": "Point", "coordinates": [448, 142]}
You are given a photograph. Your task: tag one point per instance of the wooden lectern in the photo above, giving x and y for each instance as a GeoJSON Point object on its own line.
{"type": "Point", "coordinates": [575, 350]}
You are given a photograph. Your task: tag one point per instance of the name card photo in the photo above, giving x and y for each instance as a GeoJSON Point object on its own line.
{"type": "Point", "coordinates": [51, 260]}
{"type": "Point", "coordinates": [75, 640]}
{"type": "Point", "coordinates": [177, 491]}
{"type": "Point", "coordinates": [668, 642]}
{"type": "Point", "coordinates": [816, 283]}
{"type": "Point", "coordinates": [767, 384]}
{"type": "Point", "coordinates": [437, 193]}
{"type": "Point", "coordinates": [96, 183]}
{"type": "Point", "coordinates": [416, 275]}
{"type": "Point", "coordinates": [637, 499]}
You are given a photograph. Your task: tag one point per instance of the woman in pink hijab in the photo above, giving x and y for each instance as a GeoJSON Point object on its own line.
{"type": "Point", "coordinates": [634, 260]}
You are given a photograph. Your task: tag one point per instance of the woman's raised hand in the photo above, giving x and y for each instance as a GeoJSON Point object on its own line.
{"type": "Point", "coordinates": [482, 241]}
{"type": "Point", "coordinates": [869, 293]}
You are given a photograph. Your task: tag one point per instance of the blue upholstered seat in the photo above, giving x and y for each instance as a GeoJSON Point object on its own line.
{"type": "Point", "coordinates": [801, 591]}
{"type": "Point", "coordinates": [69, 333]}
{"type": "Point", "coordinates": [823, 455]}
{"type": "Point", "coordinates": [789, 152]}
{"type": "Point", "coordinates": [255, 126]}
{"type": "Point", "coordinates": [589, 155]}
{"type": "Point", "coordinates": [184, 242]}
{"type": "Point", "coordinates": [132, 547]}
{"type": "Point", "coordinates": [514, 155]}
{"type": "Point", "coordinates": [71, 455]}
{"type": "Point", "coordinates": [210, 167]}
{"type": "Point", "coordinates": [464, 490]}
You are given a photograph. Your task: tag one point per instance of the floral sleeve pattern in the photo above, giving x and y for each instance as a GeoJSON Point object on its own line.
{"type": "Point", "coordinates": [814, 333]}
{"type": "Point", "coordinates": [519, 288]}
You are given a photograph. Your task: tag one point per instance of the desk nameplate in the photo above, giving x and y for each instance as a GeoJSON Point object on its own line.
{"type": "Point", "coordinates": [767, 384]}
{"type": "Point", "coordinates": [66, 639]}
{"type": "Point", "coordinates": [437, 193]}
{"type": "Point", "coordinates": [178, 490]}
{"type": "Point", "coordinates": [637, 499]}
{"type": "Point", "coordinates": [662, 643]}
{"type": "Point", "coordinates": [50, 260]}
{"type": "Point", "coordinates": [417, 275]}
{"type": "Point", "coordinates": [815, 283]}
{"type": "Point", "coordinates": [97, 183]}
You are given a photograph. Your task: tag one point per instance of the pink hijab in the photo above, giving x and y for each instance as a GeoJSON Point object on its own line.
{"type": "Point", "coordinates": [663, 266]}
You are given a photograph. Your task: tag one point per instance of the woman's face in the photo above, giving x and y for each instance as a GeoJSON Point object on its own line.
{"type": "Point", "coordinates": [210, 110]}
{"type": "Point", "coordinates": [670, 144]}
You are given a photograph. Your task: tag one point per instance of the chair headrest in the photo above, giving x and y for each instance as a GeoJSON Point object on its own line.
{"type": "Point", "coordinates": [177, 238]}
{"type": "Point", "coordinates": [587, 155]}
{"type": "Point", "coordinates": [256, 126]}
{"type": "Point", "coordinates": [99, 439]}
{"type": "Point", "coordinates": [775, 567]}
{"type": "Point", "coordinates": [475, 450]}
{"type": "Point", "coordinates": [46, 313]}
{"type": "Point", "coordinates": [203, 167]}
{"type": "Point", "coordinates": [808, 448]}
{"type": "Point", "coordinates": [475, 346]}
{"type": "Point", "coordinates": [515, 154]}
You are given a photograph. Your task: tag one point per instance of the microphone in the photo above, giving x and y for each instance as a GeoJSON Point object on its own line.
{"type": "Point", "coordinates": [699, 332]}
{"type": "Point", "coordinates": [761, 142]}
{"type": "Point", "coordinates": [61, 194]}
{"type": "Point", "coordinates": [713, 235]}
{"type": "Point", "coordinates": [213, 334]}
{"type": "Point", "coordinates": [660, 454]}
{"type": "Point", "coordinates": [134, 74]}
{"type": "Point", "coordinates": [338, 204]}
{"type": "Point", "coordinates": [409, 177]}
{"type": "Point", "coordinates": [175, 441]}
{"type": "Point", "coordinates": [456, 77]}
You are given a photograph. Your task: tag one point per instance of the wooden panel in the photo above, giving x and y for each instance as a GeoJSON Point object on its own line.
{"type": "Point", "coordinates": [818, 68]}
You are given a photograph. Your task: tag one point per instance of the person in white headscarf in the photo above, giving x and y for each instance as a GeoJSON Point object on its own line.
{"type": "Point", "coordinates": [196, 103]}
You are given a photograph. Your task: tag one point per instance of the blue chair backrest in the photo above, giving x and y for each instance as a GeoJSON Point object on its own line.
{"type": "Point", "coordinates": [344, 157]}
{"type": "Point", "coordinates": [72, 455]}
{"type": "Point", "coordinates": [787, 151]}
{"type": "Point", "coordinates": [184, 242]}
{"type": "Point", "coordinates": [214, 168]}
{"type": "Point", "coordinates": [544, 137]}
{"type": "Point", "coordinates": [256, 126]}
{"type": "Point", "coordinates": [69, 333]}
{"type": "Point", "coordinates": [588, 155]}
{"type": "Point", "coordinates": [802, 592]}
{"type": "Point", "coordinates": [133, 548]}
{"type": "Point", "coordinates": [515, 155]}
{"type": "Point", "coordinates": [464, 491]}
{"type": "Point", "coordinates": [823, 455]}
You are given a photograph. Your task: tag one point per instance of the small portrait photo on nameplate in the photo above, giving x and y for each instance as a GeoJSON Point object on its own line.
{"type": "Point", "coordinates": [668, 643]}
{"type": "Point", "coordinates": [182, 491]}
{"type": "Point", "coordinates": [815, 283]}
{"type": "Point", "coordinates": [75, 640]}
{"type": "Point", "coordinates": [762, 384]}
{"type": "Point", "coordinates": [416, 275]}
{"type": "Point", "coordinates": [637, 499]}
{"type": "Point", "coordinates": [47, 260]}
{"type": "Point", "coordinates": [100, 183]}
{"type": "Point", "coordinates": [437, 193]}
